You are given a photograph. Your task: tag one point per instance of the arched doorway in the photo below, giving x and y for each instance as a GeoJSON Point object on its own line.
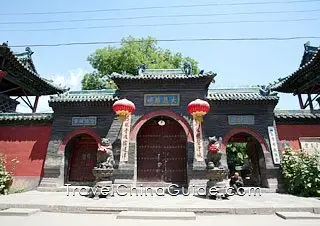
{"type": "Point", "coordinates": [244, 155]}
{"type": "Point", "coordinates": [81, 157]}
{"type": "Point", "coordinates": [161, 151]}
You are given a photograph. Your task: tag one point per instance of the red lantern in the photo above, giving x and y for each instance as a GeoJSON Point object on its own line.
{"type": "Point", "coordinates": [198, 108]}
{"type": "Point", "coordinates": [123, 108]}
{"type": "Point", "coordinates": [2, 73]}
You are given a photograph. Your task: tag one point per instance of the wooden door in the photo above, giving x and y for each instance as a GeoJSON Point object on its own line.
{"type": "Point", "coordinates": [83, 159]}
{"type": "Point", "coordinates": [161, 152]}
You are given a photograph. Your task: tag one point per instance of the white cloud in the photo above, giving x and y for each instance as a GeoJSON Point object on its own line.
{"type": "Point", "coordinates": [72, 79]}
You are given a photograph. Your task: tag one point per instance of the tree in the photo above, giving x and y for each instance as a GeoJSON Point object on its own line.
{"type": "Point", "coordinates": [236, 154]}
{"type": "Point", "coordinates": [127, 58]}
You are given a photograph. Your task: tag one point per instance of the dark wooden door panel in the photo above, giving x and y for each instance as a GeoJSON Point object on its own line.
{"type": "Point", "coordinates": [162, 152]}
{"type": "Point", "coordinates": [83, 159]}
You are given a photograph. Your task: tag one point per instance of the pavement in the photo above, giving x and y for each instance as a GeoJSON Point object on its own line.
{"type": "Point", "coordinates": [267, 203]}
{"type": "Point", "coordinates": [53, 219]}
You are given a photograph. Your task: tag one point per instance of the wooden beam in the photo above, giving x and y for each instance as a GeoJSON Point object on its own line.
{"type": "Point", "coordinates": [19, 83]}
{"type": "Point", "coordinates": [26, 96]}
{"type": "Point", "coordinates": [35, 105]}
{"type": "Point", "coordinates": [315, 97]}
{"type": "Point", "coordinates": [8, 90]}
{"type": "Point", "coordinates": [311, 83]}
{"type": "Point", "coordinates": [300, 101]}
{"type": "Point", "coordinates": [310, 102]}
{"type": "Point", "coordinates": [30, 106]}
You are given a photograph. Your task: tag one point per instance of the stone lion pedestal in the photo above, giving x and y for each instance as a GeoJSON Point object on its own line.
{"type": "Point", "coordinates": [103, 185]}
{"type": "Point", "coordinates": [217, 184]}
{"type": "Point", "coordinates": [217, 174]}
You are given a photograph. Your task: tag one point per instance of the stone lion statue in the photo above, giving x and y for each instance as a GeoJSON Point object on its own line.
{"type": "Point", "coordinates": [105, 155]}
{"type": "Point", "coordinates": [214, 153]}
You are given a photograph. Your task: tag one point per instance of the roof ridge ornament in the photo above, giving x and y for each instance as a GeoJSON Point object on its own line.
{"type": "Point", "coordinates": [266, 90]}
{"type": "Point", "coordinates": [187, 68]}
{"type": "Point", "coordinates": [29, 51]}
{"type": "Point", "coordinates": [142, 68]}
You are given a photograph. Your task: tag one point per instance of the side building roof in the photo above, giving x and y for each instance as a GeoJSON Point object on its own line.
{"type": "Point", "coordinates": [306, 76]}
{"type": "Point", "coordinates": [95, 97]}
{"type": "Point", "coordinates": [297, 116]}
{"type": "Point", "coordinates": [25, 118]}
{"type": "Point", "coordinates": [245, 94]}
{"type": "Point", "coordinates": [21, 73]}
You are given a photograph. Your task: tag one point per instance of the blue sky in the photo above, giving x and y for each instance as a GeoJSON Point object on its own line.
{"type": "Point", "coordinates": [237, 63]}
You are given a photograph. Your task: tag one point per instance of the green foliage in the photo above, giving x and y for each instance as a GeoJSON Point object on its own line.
{"type": "Point", "coordinates": [6, 178]}
{"type": "Point", "coordinates": [301, 172]}
{"type": "Point", "coordinates": [93, 81]}
{"type": "Point", "coordinates": [127, 58]}
{"type": "Point", "coordinates": [236, 153]}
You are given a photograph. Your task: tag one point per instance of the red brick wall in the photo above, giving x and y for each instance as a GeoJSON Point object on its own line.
{"type": "Point", "coordinates": [290, 134]}
{"type": "Point", "coordinates": [28, 144]}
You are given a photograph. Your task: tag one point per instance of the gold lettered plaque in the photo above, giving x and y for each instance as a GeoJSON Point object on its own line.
{"type": "Point", "coordinates": [161, 100]}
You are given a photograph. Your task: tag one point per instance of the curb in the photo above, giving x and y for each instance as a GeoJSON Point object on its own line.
{"type": "Point", "coordinates": [198, 211]}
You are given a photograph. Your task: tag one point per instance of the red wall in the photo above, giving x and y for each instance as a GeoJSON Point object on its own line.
{"type": "Point", "coordinates": [28, 144]}
{"type": "Point", "coordinates": [291, 133]}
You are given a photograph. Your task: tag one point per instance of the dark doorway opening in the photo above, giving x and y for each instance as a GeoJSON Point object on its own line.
{"type": "Point", "coordinates": [244, 153]}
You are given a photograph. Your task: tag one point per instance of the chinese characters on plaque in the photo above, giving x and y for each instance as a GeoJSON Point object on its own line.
{"type": "Point", "coordinates": [84, 121]}
{"type": "Point", "coordinates": [198, 142]}
{"type": "Point", "coordinates": [274, 145]}
{"type": "Point", "coordinates": [310, 144]}
{"type": "Point", "coordinates": [161, 100]}
{"type": "Point", "coordinates": [125, 139]}
{"type": "Point", "coordinates": [241, 119]}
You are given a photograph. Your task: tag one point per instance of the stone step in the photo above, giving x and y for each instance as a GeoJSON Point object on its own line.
{"type": "Point", "coordinates": [48, 184]}
{"type": "Point", "coordinates": [52, 189]}
{"type": "Point", "coordinates": [298, 215]}
{"type": "Point", "coordinates": [144, 215]}
{"type": "Point", "coordinates": [48, 179]}
{"type": "Point", "coordinates": [18, 212]}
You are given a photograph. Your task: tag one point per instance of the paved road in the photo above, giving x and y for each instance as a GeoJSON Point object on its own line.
{"type": "Point", "coordinates": [61, 198]}
{"type": "Point", "coordinates": [53, 219]}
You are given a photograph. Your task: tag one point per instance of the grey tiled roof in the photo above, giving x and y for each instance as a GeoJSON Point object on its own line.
{"type": "Point", "coordinates": [85, 96]}
{"type": "Point", "coordinates": [239, 94]}
{"type": "Point", "coordinates": [152, 74]}
{"type": "Point", "coordinates": [25, 117]}
{"type": "Point", "coordinates": [25, 67]}
{"type": "Point", "coordinates": [311, 57]}
{"type": "Point", "coordinates": [296, 114]}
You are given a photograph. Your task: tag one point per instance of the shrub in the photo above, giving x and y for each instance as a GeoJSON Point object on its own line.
{"type": "Point", "coordinates": [301, 172]}
{"type": "Point", "coordinates": [6, 178]}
